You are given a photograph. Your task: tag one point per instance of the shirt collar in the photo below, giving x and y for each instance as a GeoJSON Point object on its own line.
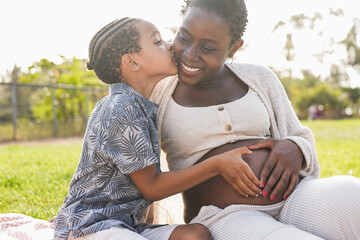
{"type": "Point", "coordinates": [123, 88]}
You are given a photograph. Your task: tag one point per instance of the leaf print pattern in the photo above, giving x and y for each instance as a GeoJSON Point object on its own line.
{"type": "Point", "coordinates": [121, 137]}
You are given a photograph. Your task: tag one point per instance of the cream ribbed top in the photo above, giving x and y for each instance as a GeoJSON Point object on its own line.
{"type": "Point", "coordinates": [284, 123]}
{"type": "Point", "coordinates": [190, 132]}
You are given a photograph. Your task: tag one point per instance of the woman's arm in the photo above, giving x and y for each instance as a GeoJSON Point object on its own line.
{"type": "Point", "coordinates": [291, 128]}
{"type": "Point", "coordinates": [284, 122]}
{"type": "Point", "coordinates": [293, 148]}
{"type": "Point", "coordinates": [155, 185]}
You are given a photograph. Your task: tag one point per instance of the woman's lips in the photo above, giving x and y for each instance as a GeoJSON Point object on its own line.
{"type": "Point", "coordinates": [189, 70]}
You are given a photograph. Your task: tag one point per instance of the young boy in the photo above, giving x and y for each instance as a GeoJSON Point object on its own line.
{"type": "Point", "coordinates": [119, 175]}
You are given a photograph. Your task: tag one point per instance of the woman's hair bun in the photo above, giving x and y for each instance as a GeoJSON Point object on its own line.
{"type": "Point", "coordinates": [89, 66]}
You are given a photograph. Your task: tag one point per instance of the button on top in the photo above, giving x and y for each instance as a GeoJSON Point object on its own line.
{"type": "Point", "coordinates": [228, 127]}
{"type": "Point", "coordinates": [220, 108]}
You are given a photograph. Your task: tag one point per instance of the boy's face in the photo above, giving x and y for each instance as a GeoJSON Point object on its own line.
{"type": "Point", "coordinates": [155, 57]}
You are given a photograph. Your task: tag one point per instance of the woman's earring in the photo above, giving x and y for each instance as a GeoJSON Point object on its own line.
{"type": "Point", "coordinates": [232, 59]}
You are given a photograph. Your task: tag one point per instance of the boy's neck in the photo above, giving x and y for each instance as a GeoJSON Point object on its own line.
{"type": "Point", "coordinates": [142, 86]}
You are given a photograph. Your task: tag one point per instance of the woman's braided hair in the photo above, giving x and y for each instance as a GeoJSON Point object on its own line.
{"type": "Point", "coordinates": [233, 11]}
{"type": "Point", "coordinates": [108, 46]}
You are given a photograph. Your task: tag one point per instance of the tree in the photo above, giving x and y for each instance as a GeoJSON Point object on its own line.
{"type": "Point", "coordinates": [353, 94]}
{"type": "Point", "coordinates": [6, 93]}
{"type": "Point", "coordinates": [352, 47]}
{"type": "Point", "coordinates": [69, 102]}
{"type": "Point", "coordinates": [289, 51]}
{"type": "Point", "coordinates": [310, 90]}
{"type": "Point", "coordinates": [296, 23]}
{"type": "Point", "coordinates": [333, 102]}
{"type": "Point", "coordinates": [314, 27]}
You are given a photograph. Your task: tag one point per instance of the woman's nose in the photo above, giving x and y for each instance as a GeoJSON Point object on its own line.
{"type": "Point", "coordinates": [191, 52]}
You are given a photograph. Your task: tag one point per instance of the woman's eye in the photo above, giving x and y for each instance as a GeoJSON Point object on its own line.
{"type": "Point", "coordinates": [182, 37]}
{"type": "Point", "coordinates": [208, 49]}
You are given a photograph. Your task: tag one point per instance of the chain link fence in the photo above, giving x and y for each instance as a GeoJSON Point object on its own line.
{"type": "Point", "coordinates": [34, 111]}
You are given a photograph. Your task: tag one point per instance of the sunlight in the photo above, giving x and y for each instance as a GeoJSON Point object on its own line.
{"type": "Point", "coordinates": [41, 29]}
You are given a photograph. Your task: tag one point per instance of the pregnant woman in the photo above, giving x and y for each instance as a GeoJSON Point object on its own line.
{"type": "Point", "coordinates": [211, 107]}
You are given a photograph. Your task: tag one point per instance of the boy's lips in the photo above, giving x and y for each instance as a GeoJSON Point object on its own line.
{"type": "Point", "coordinates": [188, 69]}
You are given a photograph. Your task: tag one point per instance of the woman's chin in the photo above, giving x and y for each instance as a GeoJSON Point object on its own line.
{"type": "Point", "coordinates": [186, 79]}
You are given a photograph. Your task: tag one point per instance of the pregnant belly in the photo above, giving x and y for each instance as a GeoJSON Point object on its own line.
{"type": "Point", "coordinates": [216, 191]}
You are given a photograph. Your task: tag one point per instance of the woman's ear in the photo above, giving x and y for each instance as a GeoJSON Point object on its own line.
{"type": "Point", "coordinates": [129, 62]}
{"type": "Point", "coordinates": [235, 47]}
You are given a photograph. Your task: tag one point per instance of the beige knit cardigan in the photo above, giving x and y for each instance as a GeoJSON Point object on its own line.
{"type": "Point", "coordinates": [284, 122]}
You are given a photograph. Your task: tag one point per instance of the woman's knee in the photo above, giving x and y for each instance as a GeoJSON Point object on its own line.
{"type": "Point", "coordinates": [343, 184]}
{"type": "Point", "coordinates": [194, 231]}
{"type": "Point", "coordinates": [324, 197]}
{"type": "Point", "coordinates": [327, 207]}
{"type": "Point", "coordinates": [328, 186]}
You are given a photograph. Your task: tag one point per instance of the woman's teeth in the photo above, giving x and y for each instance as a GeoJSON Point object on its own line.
{"type": "Point", "coordinates": [190, 69]}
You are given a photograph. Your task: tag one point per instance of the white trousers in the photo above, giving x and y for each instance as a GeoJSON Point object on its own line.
{"type": "Point", "coordinates": [123, 233]}
{"type": "Point", "coordinates": [324, 208]}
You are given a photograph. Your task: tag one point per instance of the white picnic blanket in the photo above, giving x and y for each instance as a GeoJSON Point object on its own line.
{"type": "Point", "coordinates": [15, 226]}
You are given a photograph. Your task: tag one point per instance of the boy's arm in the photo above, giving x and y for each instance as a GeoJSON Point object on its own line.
{"type": "Point", "coordinates": [128, 140]}
{"type": "Point", "coordinates": [155, 185]}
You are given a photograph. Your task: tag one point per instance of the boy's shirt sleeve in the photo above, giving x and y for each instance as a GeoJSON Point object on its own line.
{"type": "Point", "coordinates": [132, 140]}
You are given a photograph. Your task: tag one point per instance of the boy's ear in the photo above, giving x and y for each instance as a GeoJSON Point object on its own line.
{"type": "Point", "coordinates": [130, 63]}
{"type": "Point", "coordinates": [235, 47]}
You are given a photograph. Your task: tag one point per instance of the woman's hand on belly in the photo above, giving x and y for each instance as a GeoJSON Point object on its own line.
{"type": "Point", "coordinates": [280, 173]}
{"type": "Point", "coordinates": [216, 191]}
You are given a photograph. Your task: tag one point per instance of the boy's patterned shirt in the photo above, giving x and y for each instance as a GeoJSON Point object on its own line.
{"type": "Point", "coordinates": [121, 137]}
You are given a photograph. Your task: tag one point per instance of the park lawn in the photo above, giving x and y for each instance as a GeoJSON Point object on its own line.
{"type": "Point", "coordinates": [34, 178]}
{"type": "Point", "coordinates": [337, 145]}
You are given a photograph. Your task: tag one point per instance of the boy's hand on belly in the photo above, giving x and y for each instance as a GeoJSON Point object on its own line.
{"type": "Point", "coordinates": [238, 173]}
{"type": "Point", "coordinates": [281, 170]}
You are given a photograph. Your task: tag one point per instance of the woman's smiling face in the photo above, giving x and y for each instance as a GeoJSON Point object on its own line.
{"type": "Point", "coordinates": [201, 46]}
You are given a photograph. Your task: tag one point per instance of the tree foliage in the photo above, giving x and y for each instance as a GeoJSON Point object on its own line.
{"type": "Point", "coordinates": [351, 44]}
{"type": "Point", "coordinates": [332, 92]}
{"type": "Point", "coordinates": [335, 101]}
{"type": "Point", "coordinates": [65, 89]}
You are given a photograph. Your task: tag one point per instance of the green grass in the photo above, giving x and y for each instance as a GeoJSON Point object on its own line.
{"type": "Point", "coordinates": [34, 178]}
{"type": "Point", "coordinates": [337, 145]}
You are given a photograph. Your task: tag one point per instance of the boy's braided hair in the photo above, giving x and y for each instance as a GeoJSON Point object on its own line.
{"type": "Point", "coordinates": [108, 46]}
{"type": "Point", "coordinates": [233, 11]}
